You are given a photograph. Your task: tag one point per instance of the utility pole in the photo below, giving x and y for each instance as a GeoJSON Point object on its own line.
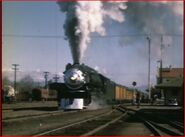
{"type": "Point", "coordinates": [161, 66]}
{"type": "Point", "coordinates": [15, 72]}
{"type": "Point", "coordinates": [56, 78]}
{"type": "Point", "coordinates": [46, 78]}
{"type": "Point", "coordinates": [149, 89]}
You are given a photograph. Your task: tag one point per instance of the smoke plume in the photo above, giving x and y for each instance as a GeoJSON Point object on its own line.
{"type": "Point", "coordinates": [98, 101]}
{"type": "Point", "coordinates": [153, 18]}
{"type": "Point", "coordinates": [84, 18]}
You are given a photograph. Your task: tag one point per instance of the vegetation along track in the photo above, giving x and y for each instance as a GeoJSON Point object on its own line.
{"type": "Point", "coordinates": [89, 126]}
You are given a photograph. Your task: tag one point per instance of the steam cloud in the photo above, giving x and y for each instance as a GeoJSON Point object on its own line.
{"type": "Point", "coordinates": [155, 18]}
{"type": "Point", "coordinates": [84, 18]}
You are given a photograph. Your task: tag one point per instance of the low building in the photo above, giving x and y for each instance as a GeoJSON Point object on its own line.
{"type": "Point", "coordinates": [171, 84]}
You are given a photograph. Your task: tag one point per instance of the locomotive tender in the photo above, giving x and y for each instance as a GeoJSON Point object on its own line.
{"type": "Point", "coordinates": [82, 82]}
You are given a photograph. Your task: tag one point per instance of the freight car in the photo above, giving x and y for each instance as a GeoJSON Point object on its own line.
{"type": "Point", "coordinates": [39, 94]}
{"type": "Point", "coordinates": [123, 94]}
{"type": "Point", "coordinates": [82, 82]}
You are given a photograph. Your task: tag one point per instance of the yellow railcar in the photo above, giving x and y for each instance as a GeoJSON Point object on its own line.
{"type": "Point", "coordinates": [123, 94]}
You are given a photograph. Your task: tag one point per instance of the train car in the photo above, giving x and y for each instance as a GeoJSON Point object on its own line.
{"type": "Point", "coordinates": [39, 94]}
{"type": "Point", "coordinates": [120, 94]}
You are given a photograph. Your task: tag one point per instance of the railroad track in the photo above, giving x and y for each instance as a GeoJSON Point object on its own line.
{"type": "Point", "coordinates": [58, 112]}
{"type": "Point", "coordinates": [119, 118]}
{"type": "Point", "coordinates": [43, 114]}
{"type": "Point", "coordinates": [38, 124]}
{"type": "Point", "coordinates": [89, 126]}
{"type": "Point", "coordinates": [163, 128]}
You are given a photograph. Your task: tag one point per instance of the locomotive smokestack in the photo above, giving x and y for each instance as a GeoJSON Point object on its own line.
{"type": "Point", "coordinates": [75, 63]}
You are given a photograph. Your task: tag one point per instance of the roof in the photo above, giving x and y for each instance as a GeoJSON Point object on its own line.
{"type": "Point", "coordinates": [172, 83]}
{"type": "Point", "coordinates": [172, 72]}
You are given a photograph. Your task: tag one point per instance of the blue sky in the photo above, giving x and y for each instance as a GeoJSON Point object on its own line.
{"type": "Point", "coordinates": [122, 55]}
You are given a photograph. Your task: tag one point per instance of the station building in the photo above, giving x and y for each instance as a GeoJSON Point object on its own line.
{"type": "Point", "coordinates": [171, 83]}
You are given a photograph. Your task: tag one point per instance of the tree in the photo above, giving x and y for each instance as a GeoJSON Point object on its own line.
{"type": "Point", "coordinates": [26, 84]}
{"type": "Point", "coordinates": [6, 81]}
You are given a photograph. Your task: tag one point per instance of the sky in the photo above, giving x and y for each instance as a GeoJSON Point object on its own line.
{"type": "Point", "coordinates": [34, 38]}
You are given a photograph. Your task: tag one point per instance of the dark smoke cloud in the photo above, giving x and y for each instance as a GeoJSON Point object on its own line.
{"type": "Point", "coordinates": [70, 30]}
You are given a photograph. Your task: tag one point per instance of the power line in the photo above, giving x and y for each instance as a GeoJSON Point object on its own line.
{"type": "Point", "coordinates": [56, 78]}
{"type": "Point", "coordinates": [33, 36]}
{"type": "Point", "coordinates": [106, 36]}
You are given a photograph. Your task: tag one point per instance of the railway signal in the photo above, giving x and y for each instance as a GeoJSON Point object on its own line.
{"type": "Point", "coordinates": [134, 83]}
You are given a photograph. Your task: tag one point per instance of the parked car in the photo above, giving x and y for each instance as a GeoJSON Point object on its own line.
{"type": "Point", "coordinates": [172, 102]}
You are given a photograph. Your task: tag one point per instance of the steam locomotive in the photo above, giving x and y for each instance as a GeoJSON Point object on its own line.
{"type": "Point", "coordinates": [81, 83]}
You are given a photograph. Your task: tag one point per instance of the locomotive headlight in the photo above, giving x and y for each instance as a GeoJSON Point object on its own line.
{"type": "Point", "coordinates": [74, 78]}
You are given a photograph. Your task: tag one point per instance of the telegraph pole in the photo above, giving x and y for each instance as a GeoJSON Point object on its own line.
{"type": "Point", "coordinates": [161, 66]}
{"type": "Point", "coordinates": [46, 78]}
{"type": "Point", "coordinates": [56, 78]}
{"type": "Point", "coordinates": [15, 72]}
{"type": "Point", "coordinates": [149, 89]}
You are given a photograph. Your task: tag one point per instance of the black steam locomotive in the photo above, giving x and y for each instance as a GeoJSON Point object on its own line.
{"type": "Point", "coordinates": [80, 82]}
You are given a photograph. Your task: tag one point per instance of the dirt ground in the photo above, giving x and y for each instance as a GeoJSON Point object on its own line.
{"type": "Point", "coordinates": [29, 104]}
{"type": "Point", "coordinates": [32, 125]}
{"type": "Point", "coordinates": [21, 109]}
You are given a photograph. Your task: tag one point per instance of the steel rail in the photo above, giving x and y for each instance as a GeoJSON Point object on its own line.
{"type": "Point", "coordinates": [72, 124]}
{"type": "Point", "coordinates": [166, 130]}
{"type": "Point", "coordinates": [156, 128]}
{"type": "Point", "coordinates": [103, 126]}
